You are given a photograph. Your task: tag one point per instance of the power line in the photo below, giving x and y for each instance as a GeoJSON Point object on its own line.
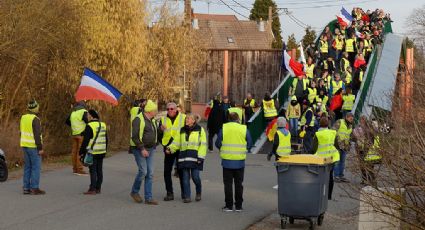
{"type": "Point", "coordinates": [242, 5]}
{"type": "Point", "coordinates": [228, 6]}
{"type": "Point", "coordinates": [327, 5]}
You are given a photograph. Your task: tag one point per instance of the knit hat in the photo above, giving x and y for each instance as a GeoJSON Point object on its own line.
{"type": "Point", "coordinates": [293, 98]}
{"type": "Point", "coordinates": [281, 122]}
{"type": "Point", "coordinates": [151, 106]}
{"type": "Point", "coordinates": [33, 106]}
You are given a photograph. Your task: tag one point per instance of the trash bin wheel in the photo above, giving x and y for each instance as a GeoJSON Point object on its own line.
{"type": "Point", "coordinates": [291, 220]}
{"type": "Point", "coordinates": [283, 223]}
{"type": "Point", "coordinates": [311, 224]}
{"type": "Point", "coordinates": [320, 219]}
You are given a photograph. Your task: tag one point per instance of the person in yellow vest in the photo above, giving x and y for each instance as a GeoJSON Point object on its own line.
{"type": "Point", "coordinates": [348, 77]}
{"type": "Point", "coordinates": [137, 108]}
{"type": "Point", "coordinates": [312, 92]}
{"type": "Point", "coordinates": [144, 136]}
{"type": "Point", "coordinates": [95, 142]}
{"type": "Point", "coordinates": [319, 110]}
{"type": "Point", "coordinates": [191, 141]}
{"type": "Point", "coordinates": [324, 145]}
{"type": "Point", "coordinates": [31, 144]}
{"type": "Point", "coordinates": [249, 105]}
{"type": "Point", "coordinates": [299, 88]}
{"type": "Point", "coordinates": [307, 124]}
{"type": "Point", "coordinates": [328, 65]}
{"type": "Point", "coordinates": [351, 48]}
{"type": "Point", "coordinates": [169, 127]}
{"type": "Point", "coordinates": [78, 121]}
{"type": "Point", "coordinates": [293, 113]}
{"type": "Point", "coordinates": [323, 97]}
{"type": "Point", "coordinates": [281, 141]}
{"type": "Point", "coordinates": [269, 107]}
{"type": "Point", "coordinates": [237, 110]}
{"type": "Point", "coordinates": [369, 47]}
{"type": "Point", "coordinates": [324, 47]}
{"type": "Point", "coordinates": [338, 45]}
{"type": "Point", "coordinates": [309, 71]}
{"type": "Point", "coordinates": [348, 101]}
{"type": "Point", "coordinates": [337, 84]}
{"type": "Point", "coordinates": [344, 63]}
{"type": "Point", "coordinates": [234, 141]}
{"type": "Point", "coordinates": [343, 128]}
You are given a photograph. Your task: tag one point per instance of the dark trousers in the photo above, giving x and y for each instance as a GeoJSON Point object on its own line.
{"type": "Point", "coordinates": [211, 134]}
{"type": "Point", "coordinates": [308, 139]}
{"type": "Point", "coordinates": [331, 183]}
{"type": "Point", "coordinates": [169, 160]}
{"type": "Point", "coordinates": [96, 172]}
{"type": "Point", "coordinates": [235, 176]}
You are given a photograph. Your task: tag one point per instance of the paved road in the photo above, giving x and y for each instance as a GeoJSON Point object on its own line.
{"type": "Point", "coordinates": [64, 206]}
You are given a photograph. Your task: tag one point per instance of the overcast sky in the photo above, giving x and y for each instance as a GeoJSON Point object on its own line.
{"type": "Point", "coordinates": [311, 12]}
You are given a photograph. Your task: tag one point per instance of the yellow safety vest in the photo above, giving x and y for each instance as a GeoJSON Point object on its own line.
{"type": "Point", "coordinates": [295, 83]}
{"type": "Point", "coordinates": [339, 44]}
{"type": "Point", "coordinates": [367, 45]}
{"type": "Point", "coordinates": [324, 46]}
{"type": "Point", "coordinates": [134, 111]}
{"type": "Point", "coordinates": [172, 129]}
{"type": "Point", "coordinates": [349, 45]}
{"type": "Point", "coordinates": [346, 64]}
{"type": "Point", "coordinates": [304, 120]}
{"type": "Point", "coordinates": [309, 71]}
{"type": "Point", "coordinates": [361, 75]}
{"type": "Point", "coordinates": [284, 148]}
{"type": "Point", "coordinates": [336, 86]}
{"type": "Point", "coordinates": [372, 154]}
{"type": "Point", "coordinates": [27, 133]}
{"type": "Point", "coordinates": [99, 146]}
{"type": "Point", "coordinates": [348, 77]}
{"type": "Point", "coordinates": [312, 93]}
{"type": "Point", "coordinates": [326, 147]}
{"type": "Point", "coordinates": [251, 103]}
{"type": "Point", "coordinates": [344, 132]}
{"type": "Point", "coordinates": [194, 147]}
{"type": "Point", "coordinates": [238, 111]}
{"type": "Point", "coordinates": [324, 100]}
{"type": "Point", "coordinates": [269, 109]}
{"type": "Point", "coordinates": [141, 128]}
{"type": "Point", "coordinates": [294, 111]}
{"type": "Point", "coordinates": [234, 144]}
{"type": "Point", "coordinates": [77, 123]}
{"type": "Point", "coordinates": [348, 102]}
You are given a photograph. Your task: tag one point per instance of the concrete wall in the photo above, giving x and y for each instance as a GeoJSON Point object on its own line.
{"type": "Point", "coordinates": [248, 71]}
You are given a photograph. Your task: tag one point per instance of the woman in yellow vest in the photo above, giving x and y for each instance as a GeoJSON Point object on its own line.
{"type": "Point", "coordinates": [95, 142]}
{"type": "Point", "coordinates": [312, 92]}
{"type": "Point", "coordinates": [281, 141]}
{"type": "Point", "coordinates": [348, 101]}
{"type": "Point", "coordinates": [324, 145]}
{"type": "Point", "coordinates": [191, 142]}
{"type": "Point", "coordinates": [269, 107]}
{"type": "Point", "coordinates": [293, 113]}
{"type": "Point", "coordinates": [31, 144]}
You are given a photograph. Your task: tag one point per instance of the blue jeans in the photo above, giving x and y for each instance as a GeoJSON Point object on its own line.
{"type": "Point", "coordinates": [32, 168]}
{"type": "Point", "coordinates": [293, 125]}
{"type": "Point", "coordinates": [145, 166]}
{"type": "Point", "coordinates": [340, 165]}
{"type": "Point", "coordinates": [186, 173]}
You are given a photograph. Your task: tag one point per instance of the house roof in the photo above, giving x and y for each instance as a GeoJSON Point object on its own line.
{"type": "Point", "coordinates": [226, 32]}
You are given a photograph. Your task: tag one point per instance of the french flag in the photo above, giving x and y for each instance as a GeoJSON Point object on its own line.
{"type": "Point", "coordinates": [94, 87]}
{"type": "Point", "coordinates": [344, 17]}
{"type": "Point", "coordinates": [293, 67]}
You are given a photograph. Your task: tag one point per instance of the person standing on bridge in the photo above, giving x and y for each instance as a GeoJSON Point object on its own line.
{"type": "Point", "coordinates": [143, 142]}
{"type": "Point", "coordinates": [169, 127]}
{"type": "Point", "coordinates": [299, 88]}
{"type": "Point", "coordinates": [293, 113]}
{"type": "Point", "coordinates": [31, 144]}
{"type": "Point", "coordinates": [95, 142]}
{"type": "Point", "coordinates": [249, 105]}
{"type": "Point", "coordinates": [78, 121]}
{"type": "Point", "coordinates": [192, 144]}
{"type": "Point", "coordinates": [234, 141]}
{"type": "Point", "coordinates": [344, 128]}
{"type": "Point", "coordinates": [269, 107]}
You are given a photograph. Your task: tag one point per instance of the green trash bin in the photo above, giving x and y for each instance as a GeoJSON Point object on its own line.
{"type": "Point", "coordinates": [303, 188]}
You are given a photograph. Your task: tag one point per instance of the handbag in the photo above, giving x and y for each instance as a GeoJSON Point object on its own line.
{"type": "Point", "coordinates": [88, 158]}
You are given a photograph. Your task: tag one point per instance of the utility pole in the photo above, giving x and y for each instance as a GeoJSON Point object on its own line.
{"type": "Point", "coordinates": [187, 82]}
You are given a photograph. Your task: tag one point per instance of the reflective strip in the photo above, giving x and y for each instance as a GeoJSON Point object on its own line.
{"type": "Point", "coordinates": [326, 152]}
{"type": "Point", "coordinates": [325, 145]}
{"type": "Point", "coordinates": [283, 148]}
{"type": "Point", "coordinates": [27, 134]}
{"type": "Point", "coordinates": [188, 159]}
{"type": "Point", "coordinates": [232, 152]}
{"type": "Point", "coordinates": [27, 140]}
{"type": "Point", "coordinates": [233, 145]}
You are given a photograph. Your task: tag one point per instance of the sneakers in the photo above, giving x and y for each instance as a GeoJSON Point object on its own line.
{"type": "Point", "coordinates": [343, 179]}
{"type": "Point", "coordinates": [26, 192]}
{"type": "Point", "coordinates": [187, 200]}
{"type": "Point", "coordinates": [226, 209]}
{"type": "Point", "coordinates": [337, 179]}
{"type": "Point", "coordinates": [136, 197]}
{"type": "Point", "coordinates": [90, 192]}
{"type": "Point", "coordinates": [198, 197]}
{"type": "Point", "coordinates": [151, 202]}
{"type": "Point", "coordinates": [169, 197]}
{"type": "Point", "coordinates": [81, 173]}
{"type": "Point", "coordinates": [238, 209]}
{"type": "Point", "coordinates": [37, 191]}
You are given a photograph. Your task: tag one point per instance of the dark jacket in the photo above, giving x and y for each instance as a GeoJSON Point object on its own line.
{"type": "Point", "coordinates": [88, 135]}
{"type": "Point", "coordinates": [216, 117]}
{"type": "Point", "coordinates": [36, 128]}
{"type": "Point", "coordinates": [186, 131]}
{"type": "Point", "coordinates": [150, 133]}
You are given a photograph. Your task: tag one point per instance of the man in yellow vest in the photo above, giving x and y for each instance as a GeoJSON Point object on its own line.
{"type": "Point", "coordinates": [307, 124]}
{"type": "Point", "coordinates": [324, 47]}
{"type": "Point", "coordinates": [344, 127]}
{"type": "Point", "coordinates": [338, 46]}
{"type": "Point", "coordinates": [309, 71]}
{"type": "Point", "coordinates": [78, 121]}
{"type": "Point", "coordinates": [269, 107]}
{"type": "Point", "coordinates": [95, 142]}
{"type": "Point", "coordinates": [236, 110]}
{"type": "Point", "coordinates": [234, 141]}
{"type": "Point", "coordinates": [299, 88]}
{"type": "Point", "coordinates": [348, 101]}
{"type": "Point", "coordinates": [293, 113]}
{"type": "Point", "coordinates": [344, 63]}
{"type": "Point", "coordinates": [137, 108]}
{"type": "Point", "coordinates": [324, 145]}
{"type": "Point", "coordinates": [368, 46]}
{"type": "Point", "coordinates": [351, 48]}
{"type": "Point", "coordinates": [249, 105]}
{"type": "Point", "coordinates": [372, 156]}
{"type": "Point", "coordinates": [31, 144]}
{"type": "Point", "coordinates": [348, 77]}
{"type": "Point", "coordinates": [143, 142]}
{"type": "Point", "coordinates": [281, 141]}
{"type": "Point", "coordinates": [169, 127]}
{"type": "Point", "coordinates": [337, 84]}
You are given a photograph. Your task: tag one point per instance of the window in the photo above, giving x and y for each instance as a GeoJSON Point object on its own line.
{"type": "Point", "coordinates": [230, 40]}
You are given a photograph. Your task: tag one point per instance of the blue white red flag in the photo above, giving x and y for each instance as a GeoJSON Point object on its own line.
{"type": "Point", "coordinates": [344, 18]}
{"type": "Point", "coordinates": [94, 87]}
{"type": "Point", "coordinates": [293, 67]}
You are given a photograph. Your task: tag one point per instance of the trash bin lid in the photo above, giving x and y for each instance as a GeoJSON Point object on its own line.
{"type": "Point", "coordinates": [305, 159]}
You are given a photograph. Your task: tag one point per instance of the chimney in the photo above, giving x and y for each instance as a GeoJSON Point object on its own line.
{"type": "Point", "coordinates": [270, 19]}
{"type": "Point", "coordinates": [195, 24]}
{"type": "Point", "coordinates": [261, 25]}
{"type": "Point", "coordinates": [187, 12]}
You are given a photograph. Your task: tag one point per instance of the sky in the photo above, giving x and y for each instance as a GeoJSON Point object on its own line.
{"type": "Point", "coordinates": [315, 13]}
